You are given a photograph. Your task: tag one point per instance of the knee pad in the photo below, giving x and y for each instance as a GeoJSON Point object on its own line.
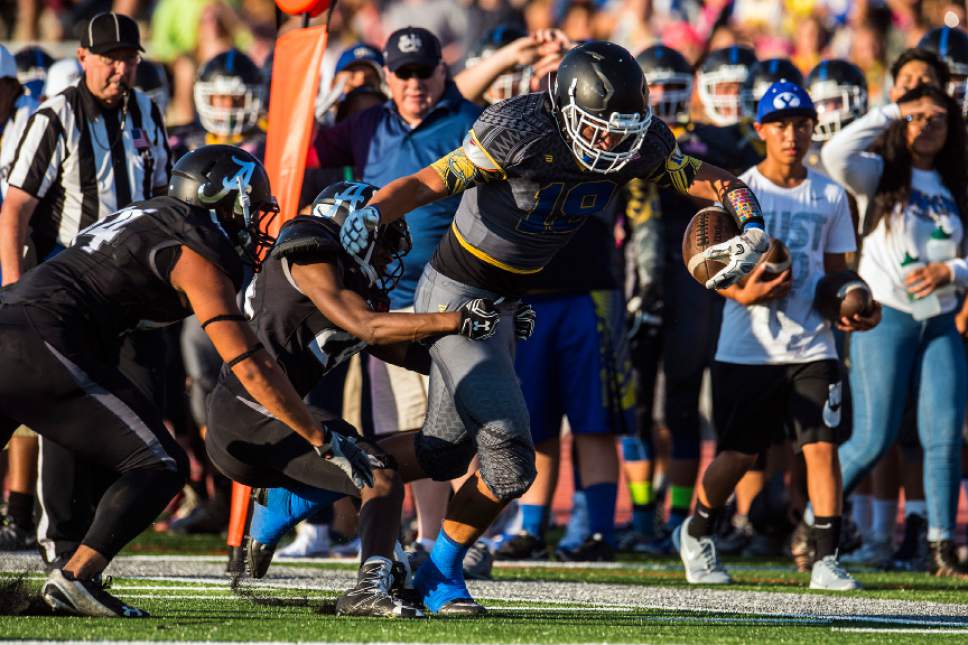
{"type": "Point", "coordinates": [507, 462]}
{"type": "Point", "coordinates": [635, 449]}
{"type": "Point", "coordinates": [443, 460]}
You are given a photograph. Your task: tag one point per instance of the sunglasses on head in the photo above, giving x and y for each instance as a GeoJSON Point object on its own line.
{"type": "Point", "coordinates": [406, 73]}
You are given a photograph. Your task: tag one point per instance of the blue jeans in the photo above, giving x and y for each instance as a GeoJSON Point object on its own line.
{"type": "Point", "coordinates": [900, 356]}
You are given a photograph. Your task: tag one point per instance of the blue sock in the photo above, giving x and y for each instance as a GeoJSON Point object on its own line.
{"type": "Point", "coordinates": [286, 507]}
{"type": "Point", "coordinates": [577, 530]}
{"type": "Point", "coordinates": [643, 519]}
{"type": "Point", "coordinates": [600, 499]}
{"type": "Point", "coordinates": [533, 517]}
{"type": "Point", "coordinates": [676, 517]}
{"type": "Point", "coordinates": [441, 578]}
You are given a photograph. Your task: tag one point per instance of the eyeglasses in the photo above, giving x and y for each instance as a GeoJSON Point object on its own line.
{"type": "Point", "coordinates": [406, 73]}
{"type": "Point", "coordinates": [112, 58]}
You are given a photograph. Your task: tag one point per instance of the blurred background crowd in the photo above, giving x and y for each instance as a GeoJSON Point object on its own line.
{"type": "Point", "coordinates": [208, 65]}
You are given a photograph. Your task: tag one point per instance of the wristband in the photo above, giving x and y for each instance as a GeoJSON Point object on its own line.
{"type": "Point", "coordinates": [741, 203]}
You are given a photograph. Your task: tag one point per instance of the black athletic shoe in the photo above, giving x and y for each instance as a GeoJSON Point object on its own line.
{"type": "Point", "coordinates": [478, 562]}
{"type": "Point", "coordinates": [372, 595]}
{"type": "Point", "coordinates": [593, 549]}
{"type": "Point", "coordinates": [258, 558]}
{"type": "Point", "coordinates": [913, 554]}
{"type": "Point", "coordinates": [522, 546]}
{"type": "Point", "coordinates": [14, 537]}
{"type": "Point", "coordinates": [737, 536]}
{"type": "Point", "coordinates": [850, 537]}
{"type": "Point", "coordinates": [944, 560]}
{"type": "Point", "coordinates": [64, 592]}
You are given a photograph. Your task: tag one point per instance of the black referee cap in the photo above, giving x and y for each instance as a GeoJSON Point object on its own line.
{"type": "Point", "coordinates": [106, 32]}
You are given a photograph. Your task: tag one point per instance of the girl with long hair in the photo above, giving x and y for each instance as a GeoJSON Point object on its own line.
{"type": "Point", "coordinates": [906, 165]}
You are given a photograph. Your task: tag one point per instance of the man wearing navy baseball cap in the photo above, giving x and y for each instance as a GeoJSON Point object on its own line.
{"type": "Point", "coordinates": [774, 343]}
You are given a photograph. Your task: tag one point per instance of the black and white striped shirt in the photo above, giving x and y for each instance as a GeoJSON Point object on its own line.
{"type": "Point", "coordinates": [73, 159]}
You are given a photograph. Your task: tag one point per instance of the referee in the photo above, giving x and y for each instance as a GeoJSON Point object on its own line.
{"type": "Point", "coordinates": [87, 152]}
{"type": "Point", "coordinates": [93, 149]}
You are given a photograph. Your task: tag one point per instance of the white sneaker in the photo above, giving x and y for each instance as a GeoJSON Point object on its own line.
{"type": "Point", "coordinates": [871, 552]}
{"type": "Point", "coordinates": [828, 574]}
{"type": "Point", "coordinates": [699, 557]}
{"type": "Point", "coordinates": [312, 541]}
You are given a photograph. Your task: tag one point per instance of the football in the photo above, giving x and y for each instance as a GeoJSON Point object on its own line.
{"type": "Point", "coordinates": [708, 227]}
{"type": "Point", "coordinates": [842, 294]}
{"type": "Point", "coordinates": [776, 260]}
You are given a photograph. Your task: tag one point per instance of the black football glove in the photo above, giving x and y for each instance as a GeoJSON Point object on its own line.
{"type": "Point", "coordinates": [343, 452]}
{"type": "Point", "coordinates": [478, 319]}
{"type": "Point", "coordinates": [524, 319]}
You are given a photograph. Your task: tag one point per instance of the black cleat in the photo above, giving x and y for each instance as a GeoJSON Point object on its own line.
{"type": "Point", "coordinates": [478, 562]}
{"type": "Point", "coordinates": [593, 549]}
{"type": "Point", "coordinates": [64, 592]}
{"type": "Point", "coordinates": [14, 537]}
{"type": "Point", "coordinates": [522, 546]}
{"type": "Point", "coordinates": [373, 596]}
{"type": "Point", "coordinates": [736, 537]}
{"type": "Point", "coordinates": [258, 558]}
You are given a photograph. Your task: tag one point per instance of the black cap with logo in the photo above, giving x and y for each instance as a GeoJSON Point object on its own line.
{"type": "Point", "coordinates": [411, 46]}
{"type": "Point", "coordinates": [107, 32]}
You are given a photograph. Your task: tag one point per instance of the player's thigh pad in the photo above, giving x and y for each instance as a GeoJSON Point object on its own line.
{"type": "Point", "coordinates": [479, 376]}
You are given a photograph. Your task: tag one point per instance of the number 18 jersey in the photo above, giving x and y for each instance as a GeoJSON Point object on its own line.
{"type": "Point", "coordinates": [526, 194]}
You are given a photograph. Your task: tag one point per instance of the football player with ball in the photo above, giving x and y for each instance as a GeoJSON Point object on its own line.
{"type": "Point", "coordinates": [776, 364]}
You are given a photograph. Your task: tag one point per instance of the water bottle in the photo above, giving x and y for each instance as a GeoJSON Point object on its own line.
{"type": "Point", "coordinates": [941, 247]}
{"type": "Point", "coordinates": [921, 308]}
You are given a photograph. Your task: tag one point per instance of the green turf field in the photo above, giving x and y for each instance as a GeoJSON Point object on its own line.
{"type": "Point", "coordinates": [181, 583]}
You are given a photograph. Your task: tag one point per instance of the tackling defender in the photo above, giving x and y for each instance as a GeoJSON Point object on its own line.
{"type": "Point", "coordinates": [534, 168]}
{"type": "Point", "coordinates": [313, 307]}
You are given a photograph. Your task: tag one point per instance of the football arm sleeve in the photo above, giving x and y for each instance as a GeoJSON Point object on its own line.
{"type": "Point", "coordinates": [468, 166]}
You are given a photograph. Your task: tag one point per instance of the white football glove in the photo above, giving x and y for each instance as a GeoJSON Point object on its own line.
{"type": "Point", "coordinates": [357, 230]}
{"type": "Point", "coordinates": [343, 452]}
{"type": "Point", "coordinates": [740, 255]}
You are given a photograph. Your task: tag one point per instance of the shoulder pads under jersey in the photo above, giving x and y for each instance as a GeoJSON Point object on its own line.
{"type": "Point", "coordinates": [306, 238]}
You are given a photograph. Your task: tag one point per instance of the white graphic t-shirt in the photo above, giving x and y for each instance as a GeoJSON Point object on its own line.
{"type": "Point", "coordinates": [811, 219]}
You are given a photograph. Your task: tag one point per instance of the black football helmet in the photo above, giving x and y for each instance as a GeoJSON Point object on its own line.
{"type": "Point", "coordinates": [150, 78]}
{"type": "Point", "coordinates": [232, 183]}
{"type": "Point", "coordinates": [839, 92]}
{"type": "Point", "coordinates": [231, 74]}
{"type": "Point", "coordinates": [727, 66]}
{"type": "Point", "coordinates": [668, 70]}
{"type": "Point", "coordinates": [763, 74]}
{"type": "Point", "coordinates": [511, 83]}
{"type": "Point", "coordinates": [600, 90]}
{"type": "Point", "coordinates": [951, 45]}
{"type": "Point", "coordinates": [338, 200]}
{"type": "Point", "coordinates": [32, 65]}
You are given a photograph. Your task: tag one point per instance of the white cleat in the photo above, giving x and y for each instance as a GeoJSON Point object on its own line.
{"type": "Point", "coordinates": [699, 557]}
{"type": "Point", "coordinates": [312, 541]}
{"type": "Point", "coordinates": [828, 574]}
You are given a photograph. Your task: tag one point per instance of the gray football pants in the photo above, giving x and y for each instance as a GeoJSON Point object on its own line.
{"type": "Point", "coordinates": [474, 404]}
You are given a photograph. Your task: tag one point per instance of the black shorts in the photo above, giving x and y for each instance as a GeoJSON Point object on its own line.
{"type": "Point", "coordinates": [251, 447]}
{"type": "Point", "coordinates": [754, 404]}
{"type": "Point", "coordinates": [57, 380]}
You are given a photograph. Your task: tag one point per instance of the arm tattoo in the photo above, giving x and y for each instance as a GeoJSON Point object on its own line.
{"type": "Point", "coordinates": [459, 173]}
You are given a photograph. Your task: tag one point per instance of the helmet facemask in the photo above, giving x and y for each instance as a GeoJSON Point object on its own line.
{"type": "Point", "coordinates": [722, 109]}
{"type": "Point", "coordinates": [630, 128]}
{"type": "Point", "coordinates": [837, 105]}
{"type": "Point", "coordinates": [225, 121]}
{"type": "Point", "coordinates": [673, 105]}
